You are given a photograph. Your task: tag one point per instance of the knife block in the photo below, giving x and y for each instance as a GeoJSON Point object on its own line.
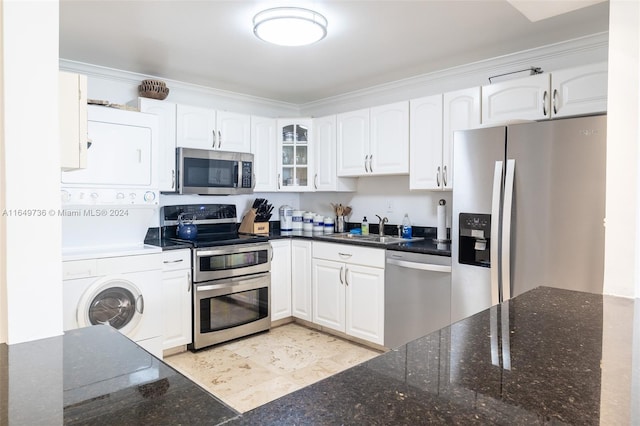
{"type": "Point", "coordinates": [250, 226]}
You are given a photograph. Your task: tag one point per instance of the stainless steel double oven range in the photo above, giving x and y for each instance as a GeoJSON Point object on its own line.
{"type": "Point", "coordinates": [230, 272]}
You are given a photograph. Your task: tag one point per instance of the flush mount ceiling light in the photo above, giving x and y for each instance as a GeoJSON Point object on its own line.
{"type": "Point", "coordinates": [290, 26]}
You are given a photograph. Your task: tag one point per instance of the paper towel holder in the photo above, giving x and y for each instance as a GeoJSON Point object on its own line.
{"type": "Point", "coordinates": [441, 229]}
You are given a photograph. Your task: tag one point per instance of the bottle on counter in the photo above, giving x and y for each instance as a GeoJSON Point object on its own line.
{"type": "Point", "coordinates": [406, 227]}
{"type": "Point", "coordinates": [365, 226]}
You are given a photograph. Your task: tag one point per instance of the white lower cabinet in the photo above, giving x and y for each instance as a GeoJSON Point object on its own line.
{"type": "Point", "coordinates": [348, 290]}
{"type": "Point", "coordinates": [176, 296]}
{"type": "Point", "coordinates": [301, 289]}
{"type": "Point", "coordinates": [281, 279]}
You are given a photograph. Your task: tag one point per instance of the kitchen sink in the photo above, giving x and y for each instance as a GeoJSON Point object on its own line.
{"type": "Point", "coordinates": [373, 239]}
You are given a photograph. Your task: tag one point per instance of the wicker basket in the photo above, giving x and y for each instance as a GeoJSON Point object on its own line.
{"type": "Point", "coordinates": [154, 89]}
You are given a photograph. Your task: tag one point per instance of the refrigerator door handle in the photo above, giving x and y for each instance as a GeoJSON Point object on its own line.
{"type": "Point", "coordinates": [506, 230]}
{"type": "Point", "coordinates": [495, 233]}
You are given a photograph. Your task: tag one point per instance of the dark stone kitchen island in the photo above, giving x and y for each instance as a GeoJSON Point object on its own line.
{"type": "Point", "coordinates": [545, 357]}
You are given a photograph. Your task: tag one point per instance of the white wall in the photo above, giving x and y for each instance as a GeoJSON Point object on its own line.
{"type": "Point", "coordinates": [387, 196]}
{"type": "Point", "coordinates": [622, 238]}
{"type": "Point", "coordinates": [3, 222]}
{"type": "Point", "coordinates": [32, 259]}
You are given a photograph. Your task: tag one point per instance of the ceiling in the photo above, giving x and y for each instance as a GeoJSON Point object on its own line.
{"type": "Point", "coordinates": [369, 42]}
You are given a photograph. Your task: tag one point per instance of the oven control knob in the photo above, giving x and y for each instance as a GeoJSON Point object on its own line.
{"type": "Point", "coordinates": [149, 196]}
{"type": "Point", "coordinates": [65, 195]}
{"type": "Point", "coordinates": [120, 196]}
{"type": "Point", "coordinates": [94, 195]}
{"type": "Point", "coordinates": [132, 195]}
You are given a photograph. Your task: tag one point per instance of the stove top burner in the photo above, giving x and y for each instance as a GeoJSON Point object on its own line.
{"type": "Point", "coordinates": [217, 225]}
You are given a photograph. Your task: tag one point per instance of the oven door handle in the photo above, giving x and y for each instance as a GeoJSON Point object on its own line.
{"type": "Point", "coordinates": [234, 249]}
{"type": "Point", "coordinates": [237, 283]}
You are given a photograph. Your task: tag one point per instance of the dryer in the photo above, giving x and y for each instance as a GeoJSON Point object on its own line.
{"type": "Point", "coordinates": [120, 289]}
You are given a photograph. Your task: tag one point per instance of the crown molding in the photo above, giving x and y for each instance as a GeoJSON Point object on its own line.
{"type": "Point", "coordinates": [112, 74]}
{"type": "Point", "coordinates": [581, 46]}
{"type": "Point", "coordinates": [596, 43]}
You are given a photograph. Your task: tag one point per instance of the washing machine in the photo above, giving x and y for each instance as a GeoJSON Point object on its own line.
{"type": "Point", "coordinates": [120, 289]}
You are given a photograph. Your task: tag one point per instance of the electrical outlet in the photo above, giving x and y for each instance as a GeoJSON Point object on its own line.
{"type": "Point", "coordinates": [389, 206]}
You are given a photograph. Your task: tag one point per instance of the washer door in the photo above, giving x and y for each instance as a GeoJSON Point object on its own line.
{"type": "Point", "coordinates": [114, 301]}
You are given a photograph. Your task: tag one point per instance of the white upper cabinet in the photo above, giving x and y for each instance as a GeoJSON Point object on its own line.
{"type": "Point", "coordinates": [461, 111]}
{"type": "Point", "coordinates": [574, 91]}
{"type": "Point", "coordinates": [578, 91]}
{"type": "Point", "coordinates": [434, 119]}
{"type": "Point", "coordinates": [374, 141]}
{"type": "Point", "coordinates": [353, 143]}
{"type": "Point", "coordinates": [204, 128]}
{"type": "Point", "coordinates": [519, 99]}
{"type": "Point", "coordinates": [264, 145]}
{"type": "Point", "coordinates": [73, 120]}
{"type": "Point", "coordinates": [196, 127]}
{"type": "Point", "coordinates": [389, 151]}
{"type": "Point", "coordinates": [234, 131]}
{"type": "Point", "coordinates": [295, 154]}
{"type": "Point", "coordinates": [166, 112]}
{"type": "Point", "coordinates": [426, 142]}
{"type": "Point", "coordinates": [325, 147]}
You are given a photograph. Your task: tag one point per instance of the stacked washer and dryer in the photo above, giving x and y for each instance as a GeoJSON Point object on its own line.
{"type": "Point", "coordinates": [109, 275]}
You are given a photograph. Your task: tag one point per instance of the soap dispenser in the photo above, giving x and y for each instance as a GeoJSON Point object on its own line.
{"type": "Point", "coordinates": [365, 226]}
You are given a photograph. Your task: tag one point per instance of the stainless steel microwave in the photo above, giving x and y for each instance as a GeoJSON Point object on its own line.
{"type": "Point", "coordinates": [209, 172]}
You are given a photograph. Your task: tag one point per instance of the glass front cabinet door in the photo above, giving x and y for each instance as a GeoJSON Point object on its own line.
{"type": "Point", "coordinates": [294, 151]}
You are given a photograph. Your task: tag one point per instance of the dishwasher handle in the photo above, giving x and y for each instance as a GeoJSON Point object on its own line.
{"type": "Point", "coordinates": [421, 266]}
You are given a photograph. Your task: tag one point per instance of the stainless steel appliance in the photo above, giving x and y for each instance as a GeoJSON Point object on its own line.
{"type": "Point", "coordinates": [528, 210]}
{"type": "Point", "coordinates": [209, 172]}
{"type": "Point", "coordinates": [417, 296]}
{"type": "Point", "coordinates": [231, 274]}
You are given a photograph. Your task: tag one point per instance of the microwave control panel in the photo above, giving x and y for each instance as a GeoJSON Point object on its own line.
{"type": "Point", "coordinates": [247, 174]}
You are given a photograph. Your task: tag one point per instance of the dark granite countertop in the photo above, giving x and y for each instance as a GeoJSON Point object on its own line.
{"type": "Point", "coordinates": [97, 376]}
{"type": "Point", "coordinates": [428, 245]}
{"type": "Point", "coordinates": [548, 356]}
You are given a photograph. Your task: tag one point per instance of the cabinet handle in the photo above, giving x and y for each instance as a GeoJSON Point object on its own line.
{"type": "Point", "coordinates": [188, 281]}
{"type": "Point", "coordinates": [346, 281]}
{"type": "Point", "coordinates": [444, 176]}
{"type": "Point", "coordinates": [173, 179]}
{"type": "Point", "coordinates": [172, 261]}
{"type": "Point", "coordinates": [315, 181]}
{"type": "Point", "coordinates": [555, 101]}
{"type": "Point", "coordinates": [214, 139]}
{"type": "Point", "coordinates": [544, 103]}
{"type": "Point", "coordinates": [219, 139]}
{"type": "Point", "coordinates": [139, 156]}
{"type": "Point", "coordinates": [370, 165]}
{"type": "Point", "coordinates": [366, 158]}
{"type": "Point", "coordinates": [438, 176]}
{"type": "Point", "coordinates": [341, 269]}
{"type": "Point", "coordinates": [278, 180]}
{"type": "Point", "coordinates": [347, 255]}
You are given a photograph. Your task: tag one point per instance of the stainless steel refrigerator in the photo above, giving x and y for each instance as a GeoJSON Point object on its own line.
{"type": "Point", "coordinates": [528, 210]}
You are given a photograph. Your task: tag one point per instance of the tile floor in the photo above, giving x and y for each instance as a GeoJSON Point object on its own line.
{"type": "Point", "coordinates": [250, 372]}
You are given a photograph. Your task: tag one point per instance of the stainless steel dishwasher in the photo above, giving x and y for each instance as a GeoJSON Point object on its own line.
{"type": "Point", "coordinates": [417, 296]}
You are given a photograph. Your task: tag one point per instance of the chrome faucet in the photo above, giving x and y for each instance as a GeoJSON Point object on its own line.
{"type": "Point", "coordinates": [383, 220]}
